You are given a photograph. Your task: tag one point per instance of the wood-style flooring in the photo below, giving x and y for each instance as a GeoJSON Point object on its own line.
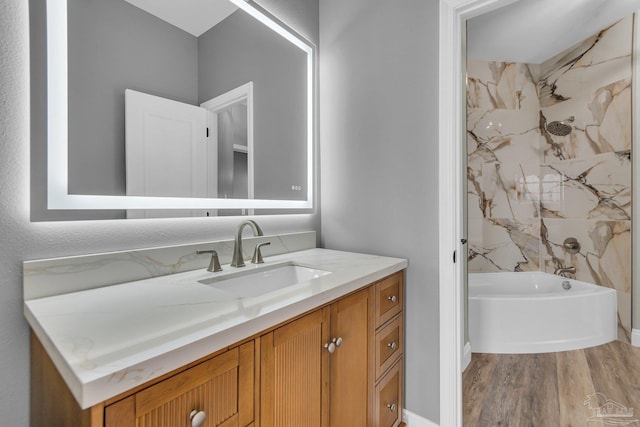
{"type": "Point", "coordinates": [552, 389]}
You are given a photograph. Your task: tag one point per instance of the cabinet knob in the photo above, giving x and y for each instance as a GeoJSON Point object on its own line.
{"type": "Point", "coordinates": [392, 298]}
{"type": "Point", "coordinates": [392, 345]}
{"type": "Point", "coordinates": [335, 343]}
{"type": "Point", "coordinates": [197, 418]}
{"type": "Point", "coordinates": [392, 407]}
{"type": "Point", "coordinates": [330, 346]}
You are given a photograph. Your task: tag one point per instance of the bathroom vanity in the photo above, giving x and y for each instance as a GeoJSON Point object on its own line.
{"type": "Point", "coordinates": [181, 350]}
{"type": "Point", "coordinates": [312, 337]}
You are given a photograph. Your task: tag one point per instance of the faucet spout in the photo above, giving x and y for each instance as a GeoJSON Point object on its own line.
{"type": "Point", "coordinates": [561, 271]}
{"type": "Point", "coordinates": [238, 256]}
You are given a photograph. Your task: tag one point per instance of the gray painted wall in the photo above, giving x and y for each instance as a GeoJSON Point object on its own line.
{"type": "Point", "coordinates": [379, 139]}
{"type": "Point", "coordinates": [25, 240]}
{"type": "Point", "coordinates": [229, 55]}
{"type": "Point", "coordinates": [142, 53]}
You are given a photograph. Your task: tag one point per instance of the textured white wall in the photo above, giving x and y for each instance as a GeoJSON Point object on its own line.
{"type": "Point", "coordinates": [378, 142]}
{"type": "Point", "coordinates": [22, 240]}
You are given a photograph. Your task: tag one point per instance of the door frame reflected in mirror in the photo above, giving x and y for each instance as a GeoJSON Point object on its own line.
{"type": "Point", "coordinates": [58, 196]}
{"type": "Point", "coordinates": [215, 106]}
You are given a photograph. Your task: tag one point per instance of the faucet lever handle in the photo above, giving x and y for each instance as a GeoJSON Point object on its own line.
{"type": "Point", "coordinates": [214, 264]}
{"type": "Point", "coordinates": [257, 254]}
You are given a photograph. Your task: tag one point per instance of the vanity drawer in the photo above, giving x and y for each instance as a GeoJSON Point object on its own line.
{"type": "Point", "coordinates": [389, 344]}
{"type": "Point", "coordinates": [389, 298]}
{"type": "Point", "coordinates": [388, 398]}
{"type": "Point", "coordinates": [222, 388]}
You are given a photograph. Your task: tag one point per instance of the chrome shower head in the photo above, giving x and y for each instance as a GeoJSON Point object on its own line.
{"type": "Point", "coordinates": [560, 128]}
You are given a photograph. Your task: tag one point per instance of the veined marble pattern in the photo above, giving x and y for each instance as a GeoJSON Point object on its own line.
{"type": "Point", "coordinates": [502, 106]}
{"type": "Point", "coordinates": [592, 84]}
{"type": "Point", "coordinates": [504, 245]}
{"type": "Point", "coordinates": [529, 189]}
{"type": "Point", "coordinates": [503, 167]}
{"type": "Point", "coordinates": [598, 187]}
{"type": "Point", "coordinates": [512, 190]}
{"type": "Point", "coordinates": [501, 86]}
{"type": "Point", "coordinates": [48, 277]}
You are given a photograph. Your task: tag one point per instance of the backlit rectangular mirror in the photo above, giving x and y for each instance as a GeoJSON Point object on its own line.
{"type": "Point", "coordinates": [197, 105]}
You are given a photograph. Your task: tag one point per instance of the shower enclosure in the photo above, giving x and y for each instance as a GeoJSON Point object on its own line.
{"type": "Point", "coordinates": [549, 158]}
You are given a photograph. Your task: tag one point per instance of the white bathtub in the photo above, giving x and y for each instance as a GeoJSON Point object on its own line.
{"type": "Point", "coordinates": [532, 313]}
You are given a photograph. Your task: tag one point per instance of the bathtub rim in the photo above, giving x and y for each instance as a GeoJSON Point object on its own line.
{"type": "Point", "coordinates": [586, 288]}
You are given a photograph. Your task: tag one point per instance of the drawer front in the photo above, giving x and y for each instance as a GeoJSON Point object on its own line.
{"type": "Point", "coordinates": [389, 298]}
{"type": "Point", "coordinates": [222, 387]}
{"type": "Point", "coordinates": [388, 398]}
{"type": "Point", "coordinates": [211, 387]}
{"type": "Point", "coordinates": [389, 344]}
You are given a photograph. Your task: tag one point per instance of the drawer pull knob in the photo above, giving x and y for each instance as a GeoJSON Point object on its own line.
{"type": "Point", "coordinates": [392, 407]}
{"type": "Point", "coordinates": [392, 345]}
{"type": "Point", "coordinates": [393, 298]}
{"type": "Point", "coordinates": [338, 341]}
{"type": "Point", "coordinates": [197, 418]}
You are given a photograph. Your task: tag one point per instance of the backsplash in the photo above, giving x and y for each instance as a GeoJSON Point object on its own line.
{"type": "Point", "coordinates": [532, 183]}
{"type": "Point", "coordinates": [43, 278]}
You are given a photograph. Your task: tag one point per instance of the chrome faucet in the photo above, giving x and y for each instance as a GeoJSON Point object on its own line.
{"type": "Point", "coordinates": [238, 256]}
{"type": "Point", "coordinates": [561, 271]}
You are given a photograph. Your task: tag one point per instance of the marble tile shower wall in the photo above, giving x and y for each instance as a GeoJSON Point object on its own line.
{"type": "Point", "coordinates": [529, 189]}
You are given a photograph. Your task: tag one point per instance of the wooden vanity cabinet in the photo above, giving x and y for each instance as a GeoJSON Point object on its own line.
{"type": "Point", "coordinates": [222, 386]}
{"type": "Point", "coordinates": [339, 365]}
{"type": "Point", "coordinates": [314, 370]}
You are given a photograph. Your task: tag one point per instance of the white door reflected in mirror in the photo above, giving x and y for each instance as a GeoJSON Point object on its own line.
{"type": "Point", "coordinates": [167, 151]}
{"type": "Point", "coordinates": [232, 115]}
{"type": "Point", "coordinates": [181, 150]}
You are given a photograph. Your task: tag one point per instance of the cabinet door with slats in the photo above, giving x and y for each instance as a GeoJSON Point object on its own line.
{"type": "Point", "coordinates": [293, 373]}
{"type": "Point", "coordinates": [349, 365]}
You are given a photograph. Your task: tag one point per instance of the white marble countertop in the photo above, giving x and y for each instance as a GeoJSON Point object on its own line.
{"type": "Point", "coordinates": [108, 340]}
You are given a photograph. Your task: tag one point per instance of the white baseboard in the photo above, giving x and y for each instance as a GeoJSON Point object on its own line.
{"type": "Point", "coordinates": [635, 337]}
{"type": "Point", "coordinates": [413, 420]}
{"type": "Point", "coordinates": [466, 356]}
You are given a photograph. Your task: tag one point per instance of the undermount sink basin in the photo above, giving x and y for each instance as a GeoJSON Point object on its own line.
{"type": "Point", "coordinates": [254, 283]}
